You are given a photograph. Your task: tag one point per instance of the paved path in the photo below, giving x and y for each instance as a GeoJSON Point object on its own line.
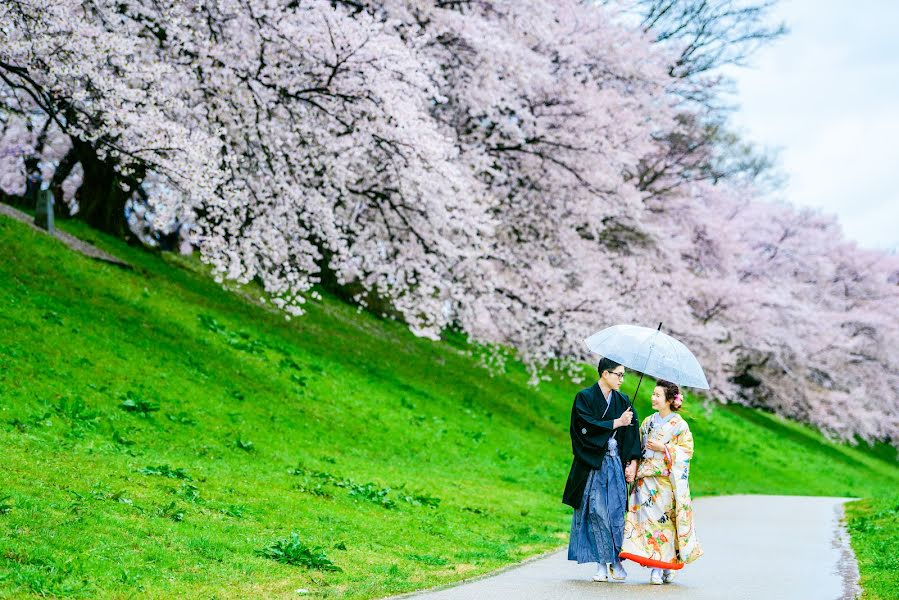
{"type": "Point", "coordinates": [756, 547]}
{"type": "Point", "coordinates": [69, 240]}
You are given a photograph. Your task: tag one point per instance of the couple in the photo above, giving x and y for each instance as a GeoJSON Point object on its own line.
{"type": "Point", "coordinates": [610, 451]}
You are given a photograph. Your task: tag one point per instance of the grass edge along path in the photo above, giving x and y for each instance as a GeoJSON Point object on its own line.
{"type": "Point", "coordinates": [873, 525]}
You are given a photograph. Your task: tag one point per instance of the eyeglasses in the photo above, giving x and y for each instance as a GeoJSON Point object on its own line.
{"type": "Point", "coordinates": [618, 375]}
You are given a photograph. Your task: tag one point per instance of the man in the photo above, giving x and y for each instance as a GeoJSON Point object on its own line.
{"type": "Point", "coordinates": [605, 436]}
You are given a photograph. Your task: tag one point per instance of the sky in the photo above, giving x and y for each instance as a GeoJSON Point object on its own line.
{"type": "Point", "coordinates": [827, 95]}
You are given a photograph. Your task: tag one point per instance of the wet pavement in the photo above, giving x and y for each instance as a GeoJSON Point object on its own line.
{"type": "Point", "coordinates": [756, 547]}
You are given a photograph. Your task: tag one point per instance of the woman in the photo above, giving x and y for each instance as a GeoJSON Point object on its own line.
{"type": "Point", "coordinates": [658, 529]}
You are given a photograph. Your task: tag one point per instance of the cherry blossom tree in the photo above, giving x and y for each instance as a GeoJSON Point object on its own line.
{"type": "Point", "coordinates": [526, 172]}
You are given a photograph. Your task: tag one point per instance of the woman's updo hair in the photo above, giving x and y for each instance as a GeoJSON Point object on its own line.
{"type": "Point", "coordinates": [672, 394]}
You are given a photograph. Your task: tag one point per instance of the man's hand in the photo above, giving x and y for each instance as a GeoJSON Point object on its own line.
{"type": "Point", "coordinates": [630, 471]}
{"type": "Point", "coordinates": [625, 419]}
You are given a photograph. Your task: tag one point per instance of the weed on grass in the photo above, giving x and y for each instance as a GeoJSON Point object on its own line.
{"type": "Point", "coordinates": [171, 511]}
{"type": "Point", "coordinates": [182, 418]}
{"type": "Point", "coordinates": [166, 471]}
{"type": "Point", "coordinates": [45, 576]}
{"type": "Point", "coordinates": [428, 559]}
{"type": "Point", "coordinates": [118, 439]}
{"type": "Point", "coordinates": [134, 403]}
{"type": "Point", "coordinates": [234, 510]}
{"type": "Point", "coordinates": [76, 411]}
{"type": "Point", "coordinates": [293, 551]}
{"type": "Point", "coordinates": [245, 445]}
{"type": "Point", "coordinates": [318, 482]}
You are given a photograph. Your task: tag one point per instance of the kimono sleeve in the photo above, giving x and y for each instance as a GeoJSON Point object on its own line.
{"type": "Point", "coordinates": [585, 419]}
{"type": "Point", "coordinates": [679, 450]}
{"type": "Point", "coordinates": [644, 426]}
{"type": "Point", "coordinates": [644, 433]}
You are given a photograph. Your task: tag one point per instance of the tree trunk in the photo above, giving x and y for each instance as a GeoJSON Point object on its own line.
{"type": "Point", "coordinates": [63, 170]}
{"type": "Point", "coordinates": [101, 199]}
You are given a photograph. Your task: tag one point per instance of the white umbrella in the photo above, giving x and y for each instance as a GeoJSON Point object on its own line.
{"type": "Point", "coordinates": [651, 352]}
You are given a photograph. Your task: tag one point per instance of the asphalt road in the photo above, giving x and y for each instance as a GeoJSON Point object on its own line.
{"type": "Point", "coordinates": [756, 547]}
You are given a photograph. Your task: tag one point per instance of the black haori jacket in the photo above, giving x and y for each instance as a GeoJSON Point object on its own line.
{"type": "Point", "coordinates": [590, 433]}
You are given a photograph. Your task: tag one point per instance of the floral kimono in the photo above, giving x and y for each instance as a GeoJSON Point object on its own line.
{"type": "Point", "coordinates": [658, 528]}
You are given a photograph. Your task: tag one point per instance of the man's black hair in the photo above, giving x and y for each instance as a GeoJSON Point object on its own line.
{"type": "Point", "coordinates": [606, 364]}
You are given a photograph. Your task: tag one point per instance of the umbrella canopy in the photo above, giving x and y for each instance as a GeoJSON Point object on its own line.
{"type": "Point", "coordinates": [651, 352]}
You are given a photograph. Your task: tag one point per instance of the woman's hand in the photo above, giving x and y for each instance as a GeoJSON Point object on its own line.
{"type": "Point", "coordinates": [630, 471]}
{"type": "Point", "coordinates": [655, 446]}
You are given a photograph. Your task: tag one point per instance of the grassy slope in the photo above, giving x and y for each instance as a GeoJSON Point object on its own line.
{"type": "Point", "coordinates": [244, 397]}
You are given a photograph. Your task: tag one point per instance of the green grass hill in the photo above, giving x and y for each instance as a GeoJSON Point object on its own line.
{"type": "Point", "coordinates": [163, 437]}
